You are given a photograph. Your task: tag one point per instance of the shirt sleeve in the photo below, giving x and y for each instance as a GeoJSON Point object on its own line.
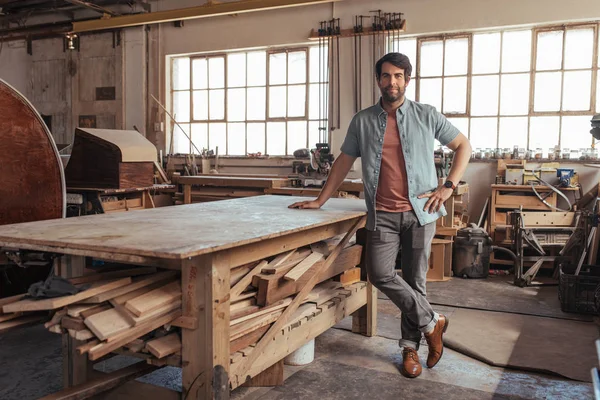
{"type": "Point", "coordinates": [445, 132]}
{"type": "Point", "coordinates": [351, 146]}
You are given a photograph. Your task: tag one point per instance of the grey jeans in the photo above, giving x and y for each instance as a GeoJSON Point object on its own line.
{"type": "Point", "coordinates": [397, 231]}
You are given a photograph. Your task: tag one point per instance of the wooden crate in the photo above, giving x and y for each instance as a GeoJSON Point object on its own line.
{"type": "Point", "coordinates": [440, 261]}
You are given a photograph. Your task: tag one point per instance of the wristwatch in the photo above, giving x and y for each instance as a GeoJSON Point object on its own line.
{"type": "Point", "coordinates": [449, 185]}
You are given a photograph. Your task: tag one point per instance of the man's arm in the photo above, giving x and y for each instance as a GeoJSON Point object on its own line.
{"type": "Point", "coordinates": [462, 154]}
{"type": "Point", "coordinates": [338, 172]}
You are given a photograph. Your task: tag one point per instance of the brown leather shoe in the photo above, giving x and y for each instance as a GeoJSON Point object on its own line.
{"type": "Point", "coordinates": [435, 342]}
{"type": "Point", "coordinates": [411, 366]}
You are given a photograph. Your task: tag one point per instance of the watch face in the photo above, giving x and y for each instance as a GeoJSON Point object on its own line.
{"type": "Point", "coordinates": [448, 184]}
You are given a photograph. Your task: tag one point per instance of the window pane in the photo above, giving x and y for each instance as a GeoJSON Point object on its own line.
{"type": "Point", "coordinates": [411, 90]}
{"type": "Point", "coordinates": [484, 132]}
{"type": "Point", "coordinates": [314, 103]}
{"type": "Point", "coordinates": [579, 48]}
{"type": "Point", "coordinates": [181, 144]}
{"type": "Point", "coordinates": [216, 104]}
{"type": "Point", "coordinates": [257, 103]}
{"type": "Point", "coordinates": [577, 90]}
{"type": "Point", "coordinates": [236, 139]}
{"type": "Point", "coordinates": [486, 53]}
{"type": "Point", "coordinates": [277, 68]}
{"type": "Point", "coordinates": [516, 51]}
{"type": "Point", "coordinates": [513, 132]}
{"type": "Point", "coordinates": [296, 136]}
{"type": "Point", "coordinates": [432, 58]}
{"type": "Point", "coordinates": [181, 73]}
{"type": "Point", "coordinates": [318, 72]}
{"type": "Point", "coordinates": [547, 91]}
{"type": "Point", "coordinates": [514, 95]}
{"type": "Point", "coordinates": [256, 138]}
{"type": "Point", "coordinates": [236, 105]}
{"type": "Point", "coordinates": [297, 67]}
{"type": "Point", "coordinates": [456, 57]}
{"type": "Point", "coordinates": [575, 132]}
{"type": "Point", "coordinates": [200, 73]}
{"type": "Point", "coordinates": [549, 50]}
{"type": "Point", "coordinates": [277, 102]}
{"type": "Point", "coordinates": [455, 95]}
{"type": "Point", "coordinates": [181, 106]}
{"type": "Point", "coordinates": [484, 95]}
{"type": "Point", "coordinates": [216, 73]}
{"type": "Point", "coordinates": [408, 47]}
{"type": "Point", "coordinates": [201, 105]}
{"type": "Point", "coordinates": [296, 101]}
{"type": "Point", "coordinates": [430, 92]}
{"type": "Point", "coordinates": [200, 136]}
{"type": "Point", "coordinates": [316, 135]}
{"type": "Point", "coordinates": [276, 138]}
{"type": "Point", "coordinates": [217, 137]}
{"type": "Point", "coordinates": [543, 131]}
{"type": "Point", "coordinates": [236, 70]}
{"type": "Point", "coordinates": [257, 68]}
{"type": "Point", "coordinates": [462, 124]}
{"type": "Point", "coordinates": [598, 92]}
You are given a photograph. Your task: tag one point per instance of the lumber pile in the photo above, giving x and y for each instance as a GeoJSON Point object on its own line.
{"type": "Point", "coordinates": [138, 311]}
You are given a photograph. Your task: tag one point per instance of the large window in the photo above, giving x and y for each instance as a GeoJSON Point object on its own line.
{"type": "Point", "coordinates": [532, 88]}
{"type": "Point", "coordinates": [268, 102]}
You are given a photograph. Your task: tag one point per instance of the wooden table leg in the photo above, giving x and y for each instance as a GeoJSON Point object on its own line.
{"type": "Point", "coordinates": [364, 320]}
{"type": "Point", "coordinates": [205, 352]}
{"type": "Point", "coordinates": [187, 194]}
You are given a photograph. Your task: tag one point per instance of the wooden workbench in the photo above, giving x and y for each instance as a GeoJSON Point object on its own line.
{"type": "Point", "coordinates": [205, 241]}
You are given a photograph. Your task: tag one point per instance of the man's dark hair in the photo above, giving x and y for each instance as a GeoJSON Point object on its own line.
{"type": "Point", "coordinates": [397, 59]}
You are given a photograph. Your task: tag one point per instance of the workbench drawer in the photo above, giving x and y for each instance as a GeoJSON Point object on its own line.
{"type": "Point", "coordinates": [526, 200]}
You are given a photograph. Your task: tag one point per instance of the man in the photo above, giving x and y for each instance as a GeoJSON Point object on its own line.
{"type": "Point", "coordinates": [395, 139]}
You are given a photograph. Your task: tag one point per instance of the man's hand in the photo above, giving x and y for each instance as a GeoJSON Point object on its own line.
{"type": "Point", "coordinates": [311, 204]}
{"type": "Point", "coordinates": [436, 199]}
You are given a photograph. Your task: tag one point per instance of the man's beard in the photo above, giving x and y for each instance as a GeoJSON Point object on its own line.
{"type": "Point", "coordinates": [390, 97]}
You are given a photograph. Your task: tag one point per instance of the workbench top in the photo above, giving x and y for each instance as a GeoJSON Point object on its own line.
{"type": "Point", "coordinates": [178, 232]}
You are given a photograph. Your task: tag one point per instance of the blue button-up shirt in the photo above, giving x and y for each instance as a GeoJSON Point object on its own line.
{"type": "Point", "coordinates": [418, 126]}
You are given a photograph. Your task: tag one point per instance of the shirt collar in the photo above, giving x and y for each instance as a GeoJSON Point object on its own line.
{"type": "Point", "coordinates": [402, 109]}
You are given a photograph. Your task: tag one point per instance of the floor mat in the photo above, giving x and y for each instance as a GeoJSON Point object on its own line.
{"type": "Point", "coordinates": [525, 342]}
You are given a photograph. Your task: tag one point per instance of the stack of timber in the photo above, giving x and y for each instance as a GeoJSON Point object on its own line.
{"type": "Point", "coordinates": [138, 311]}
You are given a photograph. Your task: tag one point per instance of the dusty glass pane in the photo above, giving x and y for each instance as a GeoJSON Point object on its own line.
{"type": "Point", "coordinates": [432, 60]}
{"type": "Point", "coordinates": [516, 51]}
{"type": "Point", "coordinates": [276, 138]}
{"type": "Point", "coordinates": [217, 137]}
{"type": "Point", "coordinates": [547, 91]}
{"type": "Point", "coordinates": [484, 95]}
{"type": "Point", "coordinates": [297, 67]}
{"type": "Point", "coordinates": [549, 50]}
{"type": "Point", "coordinates": [216, 104]}
{"type": "Point", "coordinates": [579, 48]}
{"type": "Point", "coordinates": [200, 136]}
{"type": "Point", "coordinates": [462, 124]}
{"type": "Point", "coordinates": [216, 73]}
{"type": "Point", "coordinates": [296, 136]}
{"type": "Point", "coordinates": [431, 92]}
{"type": "Point", "coordinates": [486, 53]}
{"type": "Point", "coordinates": [181, 106]}
{"type": "Point", "coordinates": [408, 47]}
{"type": "Point", "coordinates": [236, 105]}
{"type": "Point", "coordinates": [296, 101]}
{"type": "Point", "coordinates": [200, 73]}
{"type": "Point", "coordinates": [236, 139]}
{"type": "Point", "coordinates": [543, 131]}
{"type": "Point", "coordinates": [236, 70]}
{"type": "Point", "coordinates": [181, 73]}
{"type": "Point", "coordinates": [277, 102]}
{"type": "Point", "coordinates": [181, 144]}
{"type": "Point", "coordinates": [318, 71]}
{"type": "Point", "coordinates": [575, 132]}
{"type": "Point", "coordinates": [316, 135]}
{"type": "Point", "coordinates": [255, 134]}
{"type": "Point", "coordinates": [456, 59]}
{"type": "Point", "coordinates": [201, 105]}
{"type": "Point", "coordinates": [484, 132]}
{"type": "Point", "coordinates": [257, 68]}
{"type": "Point", "coordinates": [277, 68]}
{"type": "Point", "coordinates": [455, 95]}
{"type": "Point", "coordinates": [513, 132]}
{"type": "Point", "coordinates": [514, 94]}
{"type": "Point", "coordinates": [577, 90]}
{"type": "Point", "coordinates": [257, 103]}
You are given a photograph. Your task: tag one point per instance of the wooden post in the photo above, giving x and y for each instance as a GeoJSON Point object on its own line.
{"type": "Point", "coordinates": [205, 358]}
{"type": "Point", "coordinates": [364, 320]}
{"type": "Point", "coordinates": [187, 194]}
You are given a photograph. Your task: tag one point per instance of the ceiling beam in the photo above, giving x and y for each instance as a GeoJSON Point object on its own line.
{"type": "Point", "coordinates": [93, 6]}
{"type": "Point", "coordinates": [210, 10]}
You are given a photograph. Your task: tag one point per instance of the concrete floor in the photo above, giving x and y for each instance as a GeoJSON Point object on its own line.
{"type": "Point", "coordinates": [346, 366]}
